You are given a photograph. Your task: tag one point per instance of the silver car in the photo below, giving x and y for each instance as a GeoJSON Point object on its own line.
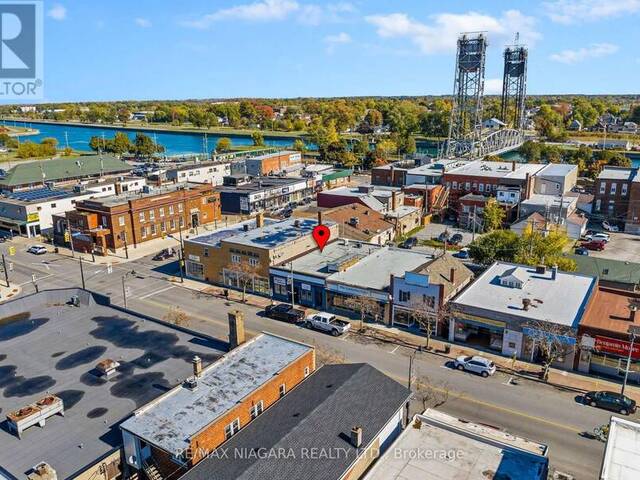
{"type": "Point", "coordinates": [476, 364]}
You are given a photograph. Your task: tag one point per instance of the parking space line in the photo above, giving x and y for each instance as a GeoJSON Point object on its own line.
{"type": "Point", "coordinates": [394, 350]}
{"type": "Point", "coordinates": [157, 292]}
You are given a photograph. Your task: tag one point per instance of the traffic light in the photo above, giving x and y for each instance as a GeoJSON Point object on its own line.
{"type": "Point", "coordinates": [12, 250]}
{"type": "Point", "coordinates": [67, 237]}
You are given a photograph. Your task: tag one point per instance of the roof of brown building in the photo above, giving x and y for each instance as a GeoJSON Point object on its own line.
{"type": "Point", "coordinates": [439, 271]}
{"type": "Point", "coordinates": [609, 311]}
{"type": "Point", "coordinates": [370, 222]}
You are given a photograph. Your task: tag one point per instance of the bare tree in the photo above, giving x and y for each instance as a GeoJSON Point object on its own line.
{"type": "Point", "coordinates": [177, 316]}
{"type": "Point", "coordinates": [245, 274]}
{"type": "Point", "coordinates": [364, 306]}
{"type": "Point", "coordinates": [553, 341]}
{"type": "Point", "coordinates": [326, 356]}
{"type": "Point", "coordinates": [430, 395]}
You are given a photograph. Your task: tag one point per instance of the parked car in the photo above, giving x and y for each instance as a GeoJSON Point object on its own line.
{"type": "Point", "coordinates": [37, 249]}
{"type": "Point", "coordinates": [327, 323]}
{"type": "Point", "coordinates": [596, 245]}
{"type": "Point", "coordinates": [455, 239]}
{"type": "Point", "coordinates": [476, 364]}
{"type": "Point", "coordinates": [463, 253]}
{"type": "Point", "coordinates": [284, 312]}
{"type": "Point", "coordinates": [610, 401]}
{"type": "Point", "coordinates": [600, 236]}
{"type": "Point", "coordinates": [287, 212]}
{"type": "Point", "coordinates": [409, 243]}
{"type": "Point", "coordinates": [164, 254]}
{"type": "Point", "coordinates": [581, 251]}
{"type": "Point", "coordinates": [610, 228]}
{"type": "Point", "coordinates": [444, 236]}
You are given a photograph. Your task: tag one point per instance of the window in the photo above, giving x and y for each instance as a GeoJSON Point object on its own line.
{"type": "Point", "coordinates": [170, 209]}
{"type": "Point", "coordinates": [405, 296]}
{"type": "Point", "coordinates": [163, 226]}
{"type": "Point", "coordinates": [281, 290]}
{"type": "Point", "coordinates": [204, 201]}
{"type": "Point", "coordinates": [613, 188]}
{"type": "Point", "coordinates": [454, 185]}
{"type": "Point", "coordinates": [231, 429]}
{"type": "Point", "coordinates": [481, 187]}
{"type": "Point", "coordinates": [467, 186]}
{"type": "Point", "coordinates": [283, 390]}
{"type": "Point", "coordinates": [161, 211]}
{"type": "Point", "coordinates": [195, 269]}
{"type": "Point", "coordinates": [256, 409]}
{"type": "Point", "coordinates": [153, 229]}
{"type": "Point", "coordinates": [235, 258]}
{"type": "Point", "coordinates": [181, 221]}
{"type": "Point", "coordinates": [603, 187]}
{"type": "Point", "coordinates": [173, 223]}
{"type": "Point", "coordinates": [53, 205]}
{"type": "Point", "coordinates": [306, 371]}
{"type": "Point", "coordinates": [121, 220]}
{"type": "Point", "coordinates": [623, 191]}
{"type": "Point", "coordinates": [104, 221]}
{"type": "Point", "coordinates": [180, 207]}
{"type": "Point", "coordinates": [142, 218]}
{"type": "Point", "coordinates": [429, 301]}
{"type": "Point", "coordinates": [206, 251]}
{"type": "Point", "coordinates": [254, 262]}
{"type": "Point", "coordinates": [152, 215]}
{"type": "Point", "coordinates": [598, 203]}
{"type": "Point", "coordinates": [143, 232]}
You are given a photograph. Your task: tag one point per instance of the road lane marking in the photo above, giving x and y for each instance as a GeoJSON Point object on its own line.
{"type": "Point", "coordinates": [37, 280]}
{"type": "Point", "coordinates": [157, 292]}
{"type": "Point", "coordinates": [392, 352]}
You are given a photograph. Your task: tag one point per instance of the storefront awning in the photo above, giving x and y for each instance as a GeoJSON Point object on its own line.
{"type": "Point", "coordinates": [548, 336]}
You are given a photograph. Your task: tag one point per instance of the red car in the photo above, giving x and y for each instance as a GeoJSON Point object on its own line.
{"type": "Point", "coordinates": [594, 245]}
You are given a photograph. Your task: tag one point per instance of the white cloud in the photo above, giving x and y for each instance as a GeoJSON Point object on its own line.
{"type": "Point", "coordinates": [143, 22]}
{"type": "Point", "coordinates": [441, 34]}
{"type": "Point", "coordinates": [595, 50]}
{"type": "Point", "coordinates": [333, 41]}
{"type": "Point", "coordinates": [277, 10]}
{"type": "Point", "coordinates": [576, 11]}
{"type": "Point", "coordinates": [57, 12]}
{"type": "Point", "coordinates": [493, 86]}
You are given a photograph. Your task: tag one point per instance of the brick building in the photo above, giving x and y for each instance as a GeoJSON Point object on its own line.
{"type": "Point", "coordinates": [272, 163]}
{"type": "Point", "coordinates": [389, 175]}
{"type": "Point", "coordinates": [613, 191]}
{"type": "Point", "coordinates": [124, 221]}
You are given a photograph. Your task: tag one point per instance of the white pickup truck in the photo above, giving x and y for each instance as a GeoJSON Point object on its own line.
{"type": "Point", "coordinates": [327, 323]}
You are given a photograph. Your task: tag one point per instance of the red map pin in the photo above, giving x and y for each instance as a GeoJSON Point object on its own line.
{"type": "Point", "coordinates": [321, 234]}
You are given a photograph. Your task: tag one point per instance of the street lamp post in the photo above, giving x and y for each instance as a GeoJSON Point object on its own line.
{"type": "Point", "coordinates": [634, 330]}
{"type": "Point", "coordinates": [124, 288]}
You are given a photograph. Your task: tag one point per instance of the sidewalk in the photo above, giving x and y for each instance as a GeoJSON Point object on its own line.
{"type": "Point", "coordinates": [7, 293]}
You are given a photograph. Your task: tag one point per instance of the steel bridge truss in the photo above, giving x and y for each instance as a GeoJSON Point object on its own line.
{"type": "Point", "coordinates": [514, 86]}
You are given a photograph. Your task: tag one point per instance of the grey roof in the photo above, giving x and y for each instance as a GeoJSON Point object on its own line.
{"type": "Point", "coordinates": [539, 199]}
{"type": "Point", "coordinates": [373, 272]}
{"type": "Point", "coordinates": [214, 238]}
{"type": "Point", "coordinates": [622, 453]}
{"type": "Point", "coordinates": [556, 170]}
{"type": "Point", "coordinates": [481, 168]}
{"type": "Point", "coordinates": [561, 301]}
{"type": "Point", "coordinates": [259, 184]}
{"type": "Point", "coordinates": [171, 421]}
{"type": "Point", "coordinates": [123, 198]}
{"type": "Point", "coordinates": [276, 234]}
{"type": "Point", "coordinates": [319, 413]}
{"type": "Point", "coordinates": [55, 348]}
{"type": "Point", "coordinates": [617, 173]}
{"type": "Point", "coordinates": [488, 453]}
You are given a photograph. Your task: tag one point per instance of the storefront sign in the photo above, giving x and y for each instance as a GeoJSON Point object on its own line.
{"type": "Point", "coordinates": [617, 347]}
{"type": "Point", "coordinates": [486, 321]}
{"type": "Point", "coordinates": [194, 258]}
{"type": "Point", "coordinates": [33, 217]}
{"type": "Point", "coordinates": [279, 281]}
{"type": "Point", "coordinates": [305, 286]}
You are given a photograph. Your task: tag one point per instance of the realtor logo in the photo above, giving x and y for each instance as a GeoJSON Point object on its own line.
{"type": "Point", "coordinates": [20, 50]}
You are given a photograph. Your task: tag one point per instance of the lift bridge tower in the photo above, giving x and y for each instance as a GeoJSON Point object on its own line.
{"type": "Point", "coordinates": [514, 86]}
{"type": "Point", "coordinates": [465, 126]}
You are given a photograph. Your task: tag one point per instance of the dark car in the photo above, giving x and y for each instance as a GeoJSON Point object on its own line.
{"type": "Point", "coordinates": [409, 243]}
{"type": "Point", "coordinates": [284, 312]}
{"type": "Point", "coordinates": [444, 236]}
{"type": "Point", "coordinates": [164, 254]}
{"type": "Point", "coordinates": [610, 401]}
{"type": "Point", "coordinates": [455, 239]}
{"type": "Point", "coordinates": [594, 245]}
{"type": "Point", "coordinates": [287, 212]}
{"type": "Point", "coordinates": [581, 251]}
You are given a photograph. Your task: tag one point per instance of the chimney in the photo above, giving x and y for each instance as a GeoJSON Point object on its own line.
{"type": "Point", "coordinates": [391, 175]}
{"type": "Point", "coordinates": [197, 365]}
{"type": "Point", "coordinates": [260, 220]}
{"type": "Point", "coordinates": [319, 218]}
{"type": "Point", "coordinates": [513, 166]}
{"type": "Point", "coordinates": [453, 275]}
{"type": "Point", "coordinates": [554, 272]}
{"type": "Point", "coordinates": [525, 303]}
{"type": "Point", "coordinates": [356, 437]}
{"type": "Point", "coordinates": [43, 471]}
{"type": "Point", "coordinates": [236, 329]}
{"type": "Point", "coordinates": [394, 201]}
{"type": "Point", "coordinates": [541, 269]}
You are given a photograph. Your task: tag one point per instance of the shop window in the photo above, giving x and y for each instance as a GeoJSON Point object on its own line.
{"type": "Point", "coordinates": [195, 269]}
{"type": "Point", "coordinates": [121, 220]}
{"type": "Point", "coordinates": [281, 290]}
{"type": "Point", "coordinates": [283, 390]}
{"type": "Point", "coordinates": [257, 409]}
{"type": "Point", "coordinates": [405, 296]}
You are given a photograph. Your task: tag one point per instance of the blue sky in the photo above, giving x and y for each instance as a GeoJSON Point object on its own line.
{"type": "Point", "coordinates": [168, 49]}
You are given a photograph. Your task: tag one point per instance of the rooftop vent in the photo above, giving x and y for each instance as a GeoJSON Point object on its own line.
{"type": "Point", "coordinates": [42, 471]}
{"type": "Point", "coordinates": [356, 437]}
{"type": "Point", "coordinates": [107, 367]}
{"type": "Point", "coordinates": [541, 269]}
{"type": "Point", "coordinates": [191, 383]}
{"type": "Point", "coordinates": [354, 221]}
{"type": "Point", "coordinates": [245, 227]}
{"type": "Point", "coordinates": [526, 303]}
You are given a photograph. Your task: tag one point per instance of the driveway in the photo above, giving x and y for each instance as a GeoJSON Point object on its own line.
{"type": "Point", "coordinates": [622, 246]}
{"type": "Point", "coordinates": [433, 230]}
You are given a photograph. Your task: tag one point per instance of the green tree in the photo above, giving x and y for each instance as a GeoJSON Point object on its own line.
{"type": "Point", "coordinates": [531, 151]}
{"type": "Point", "coordinates": [299, 145]}
{"type": "Point", "coordinates": [499, 245]}
{"type": "Point", "coordinates": [373, 117]}
{"type": "Point", "coordinates": [258, 139]}
{"type": "Point", "coordinates": [223, 145]}
{"type": "Point", "coordinates": [121, 144]}
{"type": "Point", "coordinates": [550, 124]}
{"type": "Point", "coordinates": [493, 215]}
{"type": "Point", "coordinates": [145, 146]}
{"type": "Point", "coordinates": [385, 148]}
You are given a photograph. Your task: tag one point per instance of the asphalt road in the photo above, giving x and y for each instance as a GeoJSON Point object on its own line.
{"type": "Point", "coordinates": [523, 407]}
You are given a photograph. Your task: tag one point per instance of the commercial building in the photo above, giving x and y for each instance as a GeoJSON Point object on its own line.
{"type": "Point", "coordinates": [378, 198]}
{"type": "Point", "coordinates": [332, 426]}
{"type": "Point", "coordinates": [273, 163]}
{"type": "Point", "coordinates": [613, 193]}
{"type": "Point", "coordinates": [432, 173]}
{"type": "Point", "coordinates": [437, 446]}
{"type": "Point", "coordinates": [128, 219]}
{"type": "Point", "coordinates": [61, 171]}
{"type": "Point", "coordinates": [311, 270]}
{"type": "Point", "coordinates": [621, 460]}
{"type": "Point", "coordinates": [74, 367]}
{"type": "Point", "coordinates": [420, 295]}
{"type": "Point", "coordinates": [240, 256]}
{"type": "Point", "coordinates": [604, 330]}
{"type": "Point", "coordinates": [240, 195]}
{"type": "Point", "coordinates": [199, 172]}
{"type": "Point", "coordinates": [556, 179]}
{"type": "Point", "coordinates": [391, 175]}
{"type": "Point", "coordinates": [175, 431]}
{"type": "Point", "coordinates": [361, 223]}
{"type": "Point", "coordinates": [508, 306]}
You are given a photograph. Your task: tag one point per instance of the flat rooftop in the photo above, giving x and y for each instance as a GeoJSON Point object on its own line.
{"type": "Point", "coordinates": [481, 168]}
{"type": "Point", "coordinates": [271, 155]}
{"type": "Point", "coordinates": [480, 450]}
{"type": "Point", "coordinates": [316, 415]}
{"type": "Point", "coordinates": [259, 184]}
{"type": "Point", "coordinates": [622, 453]}
{"type": "Point", "coordinates": [36, 195]}
{"type": "Point", "coordinates": [618, 173]}
{"type": "Point", "coordinates": [550, 200]}
{"type": "Point", "coordinates": [316, 263]}
{"type": "Point", "coordinates": [214, 238]}
{"type": "Point", "coordinates": [123, 198]}
{"type": "Point", "coordinates": [277, 233]}
{"type": "Point", "coordinates": [609, 311]}
{"type": "Point", "coordinates": [170, 421]}
{"type": "Point", "coordinates": [49, 347]}
{"type": "Point", "coordinates": [557, 170]}
{"type": "Point", "coordinates": [373, 272]}
{"type": "Point", "coordinates": [561, 301]}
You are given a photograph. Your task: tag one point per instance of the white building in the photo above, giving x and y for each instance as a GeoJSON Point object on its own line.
{"type": "Point", "coordinates": [200, 172]}
{"type": "Point", "coordinates": [622, 453]}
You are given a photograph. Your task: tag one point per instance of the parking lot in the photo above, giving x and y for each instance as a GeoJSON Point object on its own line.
{"type": "Point", "coordinates": [622, 246]}
{"type": "Point", "coordinates": [433, 230]}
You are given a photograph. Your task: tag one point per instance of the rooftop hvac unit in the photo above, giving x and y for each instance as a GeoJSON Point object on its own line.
{"type": "Point", "coordinates": [191, 383]}
{"type": "Point", "coordinates": [354, 221]}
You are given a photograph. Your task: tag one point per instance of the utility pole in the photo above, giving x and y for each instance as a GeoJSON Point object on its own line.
{"type": "Point", "coordinates": [180, 265]}
{"type": "Point", "coordinates": [293, 301]}
{"type": "Point", "coordinates": [633, 331]}
{"type": "Point", "coordinates": [73, 252]}
{"type": "Point", "coordinates": [82, 274]}
{"type": "Point", "coordinates": [126, 247]}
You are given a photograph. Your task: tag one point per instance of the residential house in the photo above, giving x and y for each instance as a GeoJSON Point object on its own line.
{"type": "Point", "coordinates": [575, 125]}
{"type": "Point", "coordinates": [493, 124]}
{"type": "Point", "coordinates": [613, 192]}
{"type": "Point", "coordinates": [616, 274]}
{"type": "Point", "coordinates": [357, 222]}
